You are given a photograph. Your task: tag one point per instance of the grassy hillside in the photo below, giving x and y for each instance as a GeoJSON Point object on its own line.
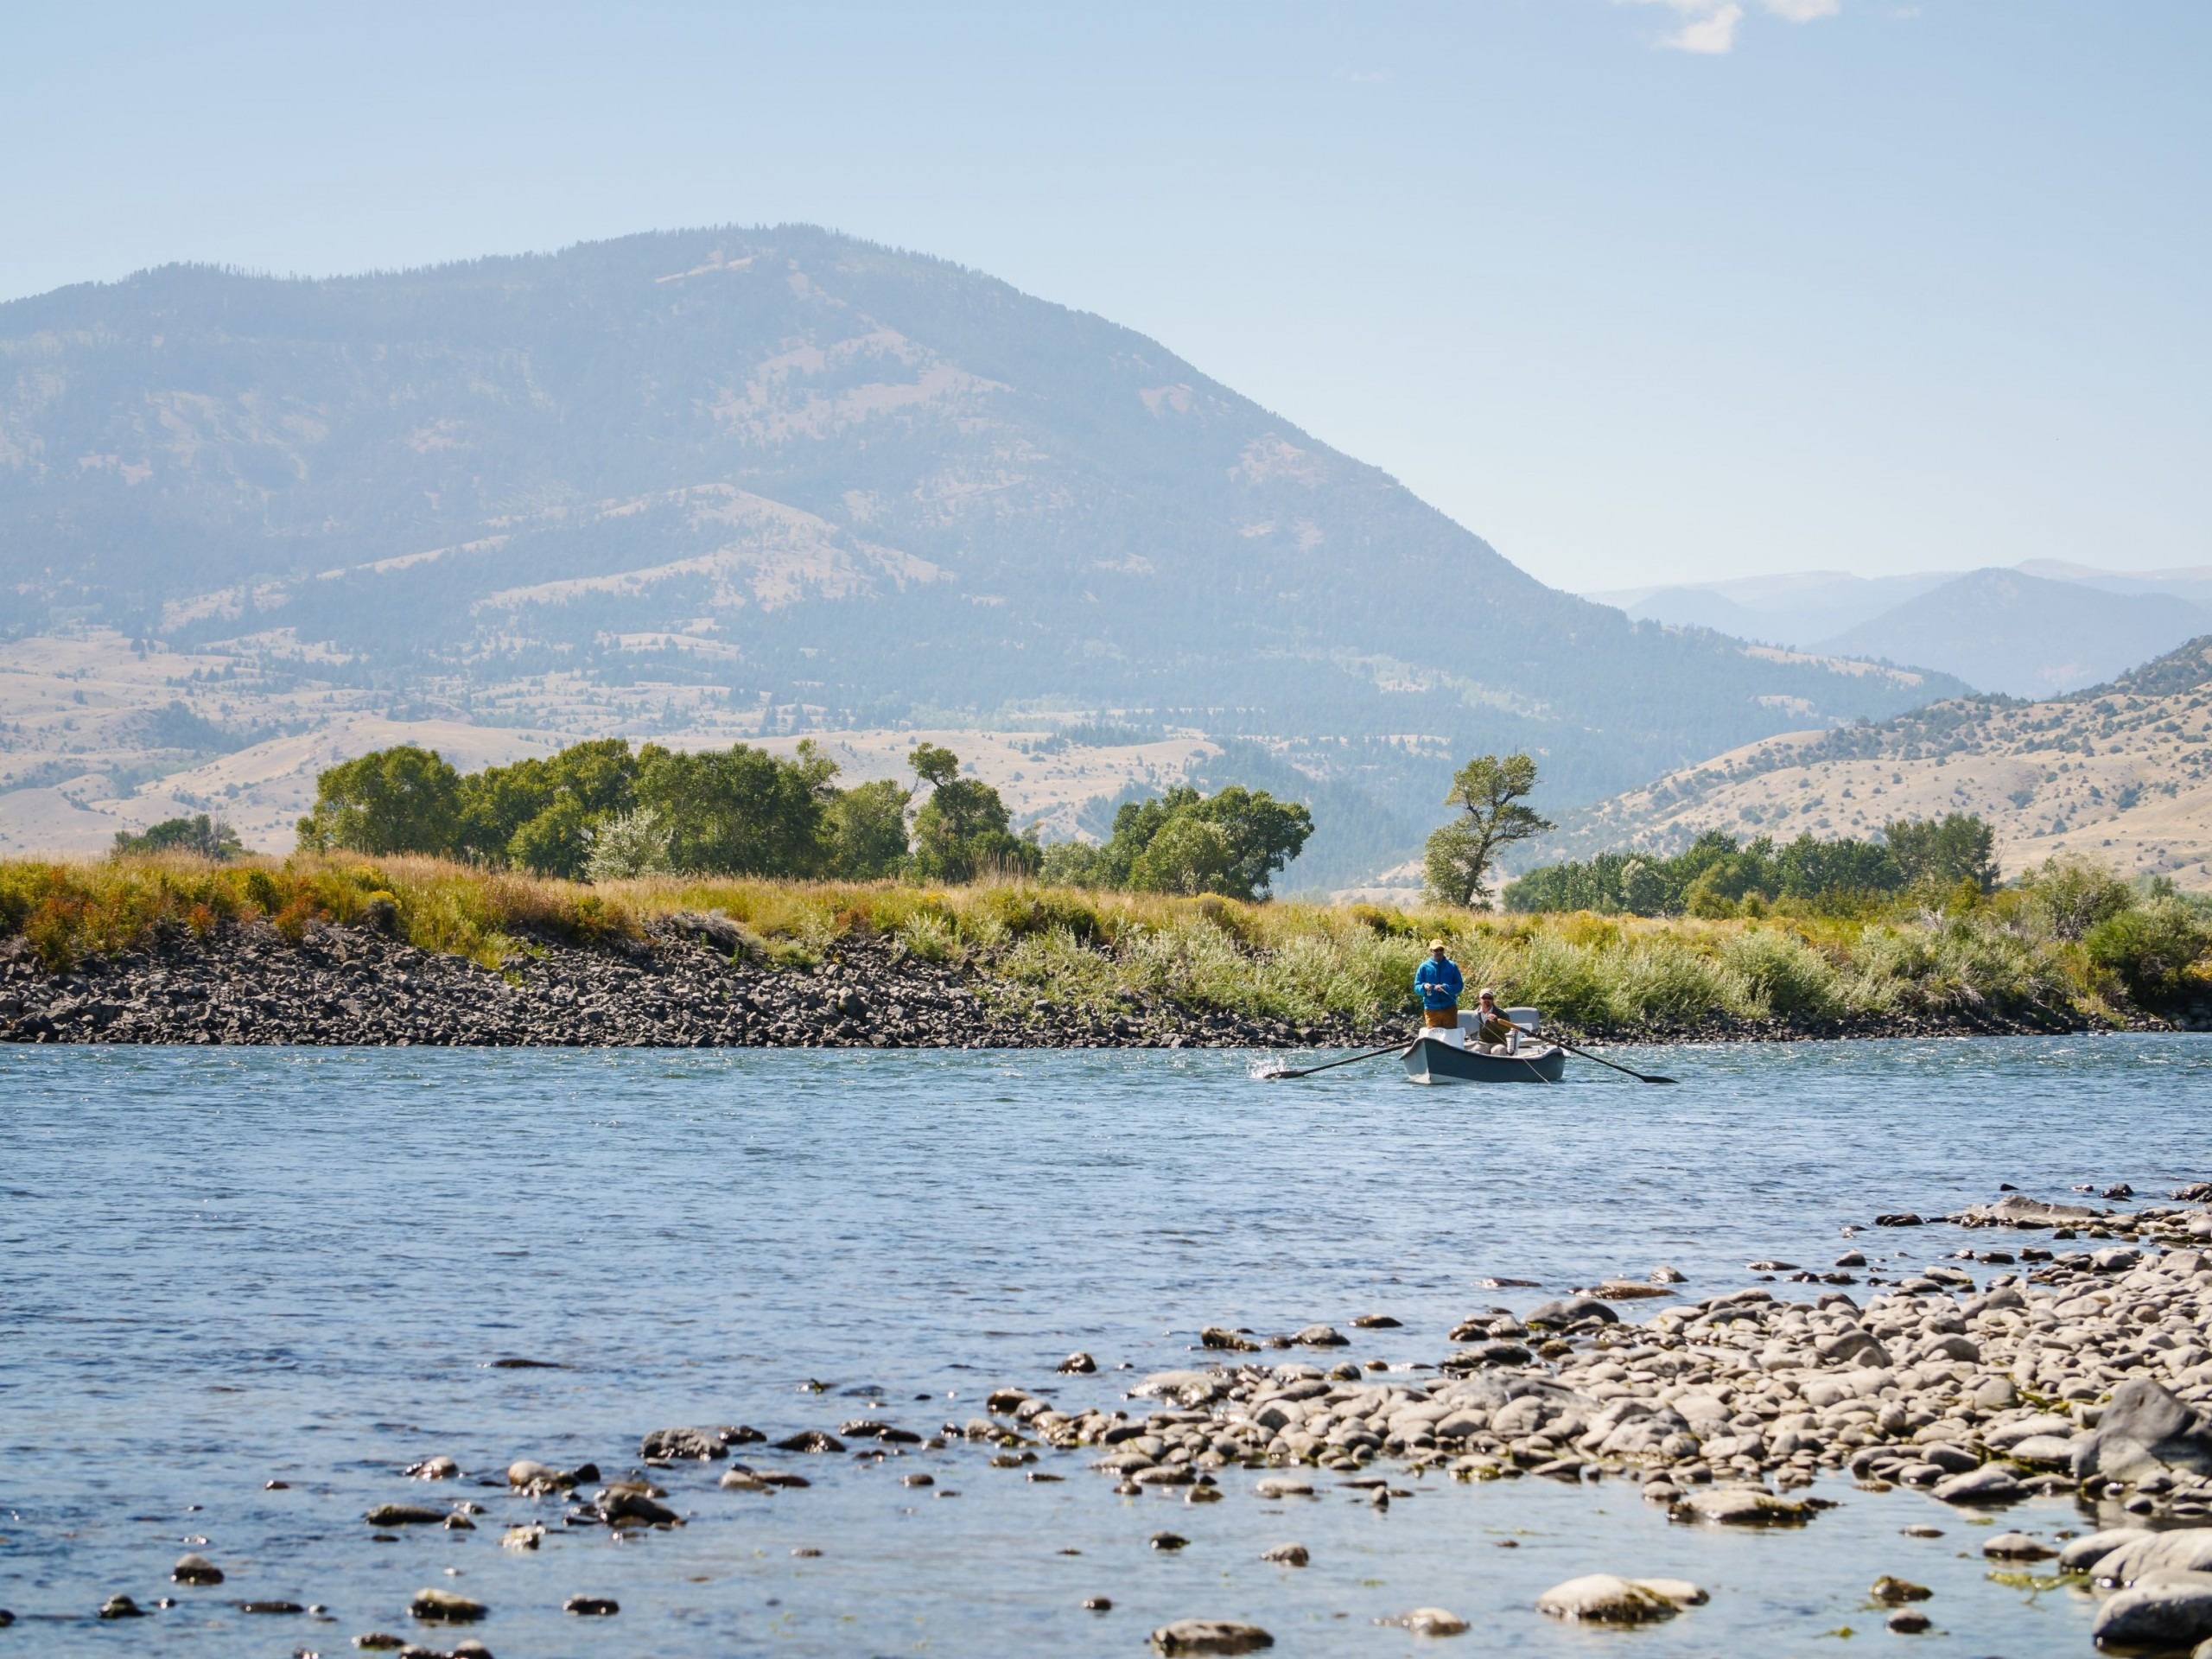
{"type": "Point", "coordinates": [1106, 951]}
{"type": "Point", "coordinates": [2120, 773]}
{"type": "Point", "coordinates": [748, 483]}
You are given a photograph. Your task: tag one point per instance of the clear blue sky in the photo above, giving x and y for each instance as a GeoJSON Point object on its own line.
{"type": "Point", "coordinates": [1639, 290]}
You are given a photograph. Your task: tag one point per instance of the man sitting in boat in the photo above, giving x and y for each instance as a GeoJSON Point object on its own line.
{"type": "Point", "coordinates": [1438, 984]}
{"type": "Point", "coordinates": [1493, 1033]}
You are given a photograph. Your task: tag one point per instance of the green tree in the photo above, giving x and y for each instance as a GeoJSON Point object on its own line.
{"type": "Point", "coordinates": [964, 830]}
{"type": "Point", "coordinates": [1247, 836]}
{"type": "Point", "coordinates": [558, 842]}
{"type": "Point", "coordinates": [1190, 854]}
{"type": "Point", "coordinates": [740, 810]}
{"type": "Point", "coordinates": [536, 813]}
{"type": "Point", "coordinates": [200, 835]}
{"type": "Point", "coordinates": [1489, 791]}
{"type": "Point", "coordinates": [405, 799]}
{"type": "Point", "coordinates": [1943, 852]}
{"type": "Point", "coordinates": [867, 830]}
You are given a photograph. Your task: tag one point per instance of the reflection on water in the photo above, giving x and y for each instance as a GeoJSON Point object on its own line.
{"type": "Point", "coordinates": [223, 1268]}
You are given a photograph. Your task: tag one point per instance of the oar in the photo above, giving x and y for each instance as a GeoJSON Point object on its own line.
{"type": "Point", "coordinates": [1587, 1055]}
{"type": "Point", "coordinates": [1307, 1071]}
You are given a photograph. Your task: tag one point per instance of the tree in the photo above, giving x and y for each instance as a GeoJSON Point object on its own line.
{"type": "Point", "coordinates": [199, 835]}
{"type": "Point", "coordinates": [1459, 856]}
{"type": "Point", "coordinates": [628, 844]}
{"type": "Point", "coordinates": [867, 830]}
{"type": "Point", "coordinates": [741, 811]}
{"type": "Point", "coordinates": [398, 800]}
{"type": "Point", "coordinates": [1943, 852]}
{"type": "Point", "coordinates": [1189, 855]}
{"type": "Point", "coordinates": [536, 813]}
{"type": "Point", "coordinates": [934, 764]}
{"type": "Point", "coordinates": [964, 829]}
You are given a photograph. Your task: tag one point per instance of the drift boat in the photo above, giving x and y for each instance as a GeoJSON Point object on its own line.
{"type": "Point", "coordinates": [1444, 1056]}
{"type": "Point", "coordinates": [1439, 1059]}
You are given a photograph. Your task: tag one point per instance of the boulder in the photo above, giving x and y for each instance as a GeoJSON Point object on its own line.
{"type": "Point", "coordinates": [2144, 1432]}
{"type": "Point", "coordinates": [404, 1515]}
{"type": "Point", "coordinates": [196, 1569]}
{"type": "Point", "coordinates": [1278, 1487]}
{"type": "Point", "coordinates": [1286, 1555]}
{"type": "Point", "coordinates": [1210, 1636]}
{"type": "Point", "coordinates": [2171, 1611]}
{"type": "Point", "coordinates": [2188, 1550]}
{"type": "Point", "coordinates": [2018, 1209]}
{"type": "Point", "coordinates": [1318, 1336]}
{"type": "Point", "coordinates": [1570, 1311]}
{"type": "Point", "coordinates": [1607, 1598]}
{"type": "Point", "coordinates": [691, 1445]}
{"type": "Point", "coordinates": [445, 1607]}
{"type": "Point", "coordinates": [1428, 1621]}
{"type": "Point", "coordinates": [2083, 1555]}
{"type": "Point", "coordinates": [2016, 1547]}
{"type": "Point", "coordinates": [1989, 1485]}
{"type": "Point", "coordinates": [1743, 1506]}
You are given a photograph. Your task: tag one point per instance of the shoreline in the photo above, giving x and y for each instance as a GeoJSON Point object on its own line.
{"type": "Point", "coordinates": [693, 981]}
{"type": "Point", "coordinates": [1761, 1408]}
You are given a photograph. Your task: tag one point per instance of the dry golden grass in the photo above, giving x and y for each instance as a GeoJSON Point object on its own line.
{"type": "Point", "coordinates": [1104, 949]}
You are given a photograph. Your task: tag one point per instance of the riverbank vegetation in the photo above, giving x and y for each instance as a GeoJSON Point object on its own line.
{"type": "Point", "coordinates": [2071, 945]}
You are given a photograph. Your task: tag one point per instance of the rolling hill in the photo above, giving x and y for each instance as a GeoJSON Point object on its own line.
{"type": "Point", "coordinates": [2122, 773]}
{"type": "Point", "coordinates": [724, 482]}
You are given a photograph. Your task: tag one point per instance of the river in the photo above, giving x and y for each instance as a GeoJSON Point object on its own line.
{"type": "Point", "coordinates": [224, 1267]}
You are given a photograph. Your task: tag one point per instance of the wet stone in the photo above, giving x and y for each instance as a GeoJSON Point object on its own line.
{"type": "Point", "coordinates": [1210, 1636]}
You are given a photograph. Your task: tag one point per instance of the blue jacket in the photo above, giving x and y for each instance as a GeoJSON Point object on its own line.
{"type": "Point", "coordinates": [1439, 984]}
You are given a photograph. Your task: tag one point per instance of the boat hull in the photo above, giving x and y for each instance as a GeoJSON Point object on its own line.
{"type": "Point", "coordinates": [1430, 1060]}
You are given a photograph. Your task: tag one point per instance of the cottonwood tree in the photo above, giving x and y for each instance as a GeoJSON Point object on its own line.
{"type": "Point", "coordinates": [1461, 855]}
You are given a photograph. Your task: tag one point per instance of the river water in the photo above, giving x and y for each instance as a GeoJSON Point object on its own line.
{"type": "Point", "coordinates": [223, 1267]}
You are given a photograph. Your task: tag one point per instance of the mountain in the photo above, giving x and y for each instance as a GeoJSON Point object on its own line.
{"type": "Point", "coordinates": [2026, 636]}
{"type": "Point", "coordinates": [707, 484]}
{"type": "Point", "coordinates": [1797, 609]}
{"type": "Point", "coordinates": [2042, 628]}
{"type": "Point", "coordinates": [2122, 773]}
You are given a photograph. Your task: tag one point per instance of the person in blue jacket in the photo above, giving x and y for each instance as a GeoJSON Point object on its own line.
{"type": "Point", "coordinates": [1438, 984]}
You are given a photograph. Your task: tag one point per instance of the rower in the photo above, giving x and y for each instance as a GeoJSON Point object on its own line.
{"type": "Point", "coordinates": [1493, 1033]}
{"type": "Point", "coordinates": [1438, 984]}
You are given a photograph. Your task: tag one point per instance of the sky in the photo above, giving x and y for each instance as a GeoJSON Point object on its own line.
{"type": "Point", "coordinates": [1639, 290]}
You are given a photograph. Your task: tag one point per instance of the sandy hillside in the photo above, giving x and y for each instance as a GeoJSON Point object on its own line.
{"type": "Point", "coordinates": [2122, 773]}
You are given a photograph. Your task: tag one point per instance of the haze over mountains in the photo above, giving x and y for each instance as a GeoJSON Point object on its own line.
{"type": "Point", "coordinates": [2040, 630]}
{"type": "Point", "coordinates": [725, 482]}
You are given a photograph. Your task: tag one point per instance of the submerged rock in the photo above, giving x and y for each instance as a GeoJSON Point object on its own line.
{"type": "Point", "coordinates": [1210, 1636]}
{"type": "Point", "coordinates": [445, 1607]}
{"type": "Point", "coordinates": [1429, 1621]}
{"type": "Point", "coordinates": [196, 1569]}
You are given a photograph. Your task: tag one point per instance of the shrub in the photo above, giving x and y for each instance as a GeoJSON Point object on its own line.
{"type": "Point", "coordinates": [2150, 949]}
{"type": "Point", "coordinates": [1784, 974]}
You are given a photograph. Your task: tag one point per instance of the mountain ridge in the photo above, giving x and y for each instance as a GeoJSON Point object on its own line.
{"type": "Point", "coordinates": [768, 481]}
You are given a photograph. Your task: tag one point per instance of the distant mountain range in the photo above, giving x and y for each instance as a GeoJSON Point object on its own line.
{"type": "Point", "coordinates": [717, 483]}
{"type": "Point", "coordinates": [2039, 630]}
{"type": "Point", "coordinates": [2119, 772]}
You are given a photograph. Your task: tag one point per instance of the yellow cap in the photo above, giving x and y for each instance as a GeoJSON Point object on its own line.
{"type": "Point", "coordinates": [1436, 945]}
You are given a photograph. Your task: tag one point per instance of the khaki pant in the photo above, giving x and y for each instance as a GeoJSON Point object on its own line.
{"type": "Point", "coordinates": [1440, 1019]}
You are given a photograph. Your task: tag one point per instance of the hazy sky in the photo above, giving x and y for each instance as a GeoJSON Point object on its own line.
{"type": "Point", "coordinates": [1639, 290]}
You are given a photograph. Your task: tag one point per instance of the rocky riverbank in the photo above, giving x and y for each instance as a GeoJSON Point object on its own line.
{"type": "Point", "coordinates": [694, 979]}
{"type": "Point", "coordinates": [2079, 1371]}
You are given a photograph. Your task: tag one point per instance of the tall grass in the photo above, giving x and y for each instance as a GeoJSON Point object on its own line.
{"type": "Point", "coordinates": [1105, 950]}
